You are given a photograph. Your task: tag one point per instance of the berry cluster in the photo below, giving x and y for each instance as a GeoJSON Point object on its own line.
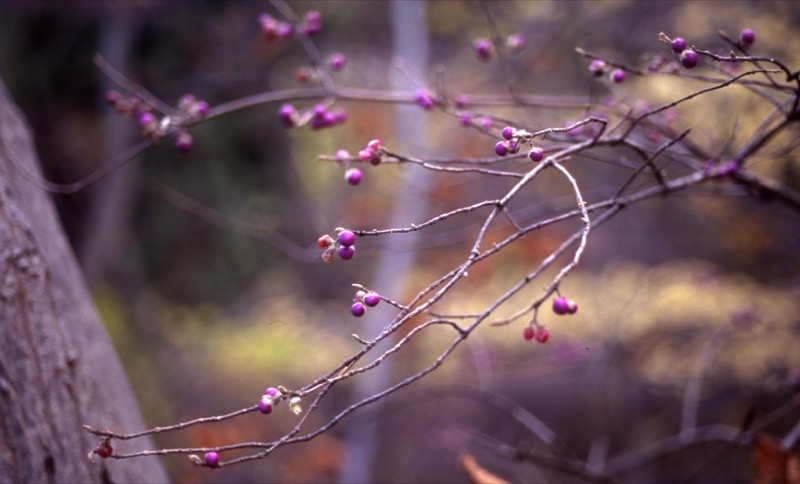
{"type": "Point", "coordinates": [598, 68]}
{"type": "Point", "coordinates": [154, 129]}
{"type": "Point", "coordinates": [513, 139]}
{"type": "Point", "coordinates": [270, 397]}
{"type": "Point", "coordinates": [274, 29]}
{"type": "Point", "coordinates": [562, 306]}
{"type": "Point", "coordinates": [536, 331]}
{"type": "Point", "coordinates": [362, 300]}
{"type": "Point", "coordinates": [318, 117]}
{"type": "Point", "coordinates": [343, 245]}
{"type": "Point", "coordinates": [484, 49]}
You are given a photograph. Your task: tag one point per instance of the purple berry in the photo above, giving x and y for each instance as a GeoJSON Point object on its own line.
{"type": "Point", "coordinates": [560, 305]}
{"type": "Point", "coordinates": [372, 299]}
{"type": "Point", "coordinates": [536, 154]}
{"type": "Point", "coordinates": [312, 23]}
{"type": "Point", "coordinates": [501, 148]}
{"type": "Point", "coordinates": [347, 238]}
{"type": "Point", "coordinates": [287, 113]}
{"type": "Point", "coordinates": [200, 109]}
{"type": "Point", "coordinates": [337, 62]}
{"type": "Point", "coordinates": [347, 253]}
{"type": "Point", "coordinates": [482, 48]}
{"type": "Point", "coordinates": [689, 58]}
{"type": "Point", "coordinates": [146, 118]}
{"type": "Point", "coordinates": [284, 31]}
{"type": "Point", "coordinates": [264, 406]}
{"type": "Point", "coordinates": [271, 392]}
{"type": "Point", "coordinates": [678, 45]}
{"type": "Point", "coordinates": [618, 76]}
{"type": "Point", "coordinates": [461, 101]}
{"type": "Point", "coordinates": [183, 141]}
{"type": "Point", "coordinates": [353, 176]}
{"type": "Point", "coordinates": [572, 307]}
{"type": "Point", "coordinates": [357, 309]}
{"type": "Point", "coordinates": [211, 459]}
{"type": "Point", "coordinates": [597, 67]}
{"type": "Point", "coordinates": [423, 99]}
{"type": "Point", "coordinates": [515, 42]}
{"type": "Point", "coordinates": [485, 122]}
{"type": "Point", "coordinates": [374, 145]}
{"type": "Point", "coordinates": [508, 132]}
{"type": "Point", "coordinates": [747, 37]}
{"type": "Point", "coordinates": [465, 120]}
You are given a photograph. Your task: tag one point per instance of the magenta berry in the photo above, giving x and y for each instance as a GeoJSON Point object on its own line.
{"type": "Point", "coordinates": [312, 24]}
{"type": "Point", "coordinates": [272, 392]}
{"type": "Point", "coordinates": [542, 335]}
{"type": "Point", "coordinates": [287, 114]}
{"type": "Point", "coordinates": [211, 459]}
{"type": "Point", "coordinates": [572, 307]}
{"type": "Point", "coordinates": [528, 333]}
{"type": "Point", "coordinates": [501, 148]}
{"type": "Point", "coordinates": [461, 101]}
{"type": "Point", "coordinates": [264, 406]}
{"type": "Point", "coordinates": [482, 48]}
{"type": "Point", "coordinates": [747, 37]}
{"type": "Point", "coordinates": [183, 141]}
{"type": "Point", "coordinates": [560, 305]}
{"type": "Point", "coordinates": [508, 132]}
{"type": "Point", "coordinates": [353, 176]}
{"type": "Point", "coordinates": [372, 299]}
{"type": "Point", "coordinates": [597, 67]}
{"type": "Point", "coordinates": [337, 62]}
{"type": "Point", "coordinates": [689, 58]}
{"type": "Point", "coordinates": [465, 120]}
{"type": "Point", "coordinates": [424, 99]}
{"type": "Point", "coordinates": [515, 42]}
{"type": "Point", "coordinates": [347, 238]}
{"type": "Point", "coordinates": [618, 76]}
{"type": "Point", "coordinates": [284, 31]}
{"type": "Point", "coordinates": [347, 253]}
{"type": "Point", "coordinates": [678, 45]}
{"type": "Point", "coordinates": [536, 154]}
{"type": "Point", "coordinates": [374, 144]}
{"type": "Point", "coordinates": [357, 309]}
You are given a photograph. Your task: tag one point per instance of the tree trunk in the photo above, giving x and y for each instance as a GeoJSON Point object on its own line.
{"type": "Point", "coordinates": [58, 369]}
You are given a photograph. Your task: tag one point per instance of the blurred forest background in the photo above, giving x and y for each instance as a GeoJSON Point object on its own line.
{"type": "Point", "coordinates": [205, 316]}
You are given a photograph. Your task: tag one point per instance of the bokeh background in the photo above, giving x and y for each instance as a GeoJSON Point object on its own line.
{"type": "Point", "coordinates": [207, 310]}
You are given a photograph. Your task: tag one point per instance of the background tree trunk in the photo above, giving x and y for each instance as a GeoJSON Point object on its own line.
{"type": "Point", "coordinates": [58, 369]}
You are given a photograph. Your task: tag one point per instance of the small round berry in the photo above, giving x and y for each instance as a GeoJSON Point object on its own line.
{"type": "Point", "coordinates": [365, 155]}
{"type": "Point", "coordinates": [572, 307]}
{"type": "Point", "coordinates": [372, 299]}
{"type": "Point", "coordinates": [264, 406]}
{"type": "Point", "coordinates": [597, 67]}
{"type": "Point", "coordinates": [536, 154]}
{"type": "Point", "coordinates": [542, 335]}
{"type": "Point", "coordinates": [312, 23]}
{"type": "Point", "coordinates": [146, 118]}
{"type": "Point", "coordinates": [284, 31]}
{"type": "Point", "coordinates": [183, 141]}
{"type": "Point", "coordinates": [513, 146]}
{"type": "Point", "coordinates": [689, 58]}
{"type": "Point", "coordinates": [359, 296]}
{"type": "Point", "coordinates": [374, 145]}
{"type": "Point", "coordinates": [104, 450]}
{"type": "Point", "coordinates": [325, 241]}
{"type": "Point", "coordinates": [347, 238]}
{"type": "Point", "coordinates": [357, 309]}
{"type": "Point", "coordinates": [423, 99]}
{"type": "Point", "coordinates": [347, 253]}
{"type": "Point", "coordinates": [287, 113]}
{"type": "Point", "coordinates": [353, 176]}
{"type": "Point", "coordinates": [515, 42]}
{"type": "Point", "coordinates": [508, 132]}
{"type": "Point", "coordinates": [747, 37]}
{"type": "Point", "coordinates": [501, 148]}
{"type": "Point", "coordinates": [200, 109]}
{"type": "Point", "coordinates": [465, 120]}
{"type": "Point", "coordinates": [482, 48]}
{"type": "Point", "coordinates": [528, 333]}
{"type": "Point", "coordinates": [618, 76]}
{"type": "Point", "coordinates": [328, 254]}
{"type": "Point", "coordinates": [560, 305]}
{"type": "Point", "coordinates": [337, 61]}
{"type": "Point", "coordinates": [272, 392]}
{"type": "Point", "coordinates": [485, 122]}
{"type": "Point", "coordinates": [211, 459]}
{"type": "Point", "coordinates": [678, 45]}
{"type": "Point", "coordinates": [461, 101]}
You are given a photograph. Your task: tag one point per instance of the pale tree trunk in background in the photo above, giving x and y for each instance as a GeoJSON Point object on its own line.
{"type": "Point", "coordinates": [410, 40]}
{"type": "Point", "coordinates": [58, 369]}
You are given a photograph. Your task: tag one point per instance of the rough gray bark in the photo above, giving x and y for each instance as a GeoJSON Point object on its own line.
{"type": "Point", "coordinates": [58, 369]}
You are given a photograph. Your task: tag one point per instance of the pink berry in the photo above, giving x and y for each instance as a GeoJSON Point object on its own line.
{"type": "Point", "coordinates": [747, 37]}
{"type": "Point", "coordinates": [536, 154]}
{"type": "Point", "coordinates": [271, 391]}
{"type": "Point", "coordinates": [501, 148]}
{"type": "Point", "coordinates": [337, 62]}
{"type": "Point", "coordinates": [597, 67]}
{"type": "Point", "coordinates": [423, 99]}
{"type": "Point", "coordinates": [357, 309]}
{"type": "Point", "coordinates": [508, 132]}
{"type": "Point", "coordinates": [372, 299]}
{"type": "Point", "coordinates": [465, 120]}
{"type": "Point", "coordinates": [374, 145]}
{"type": "Point", "coordinates": [689, 58]}
{"type": "Point", "coordinates": [146, 118]}
{"type": "Point", "coordinates": [572, 307]}
{"type": "Point", "coordinates": [347, 238]}
{"type": "Point", "coordinates": [183, 141]}
{"type": "Point", "coordinates": [287, 113]}
{"type": "Point", "coordinates": [461, 101]}
{"type": "Point", "coordinates": [678, 45]}
{"type": "Point", "coordinates": [482, 48]}
{"type": "Point", "coordinates": [346, 253]}
{"type": "Point", "coordinates": [264, 407]}
{"type": "Point", "coordinates": [284, 31]}
{"type": "Point", "coordinates": [528, 333]}
{"type": "Point", "coordinates": [560, 305]}
{"type": "Point", "coordinates": [353, 176]}
{"type": "Point", "coordinates": [211, 459]}
{"type": "Point", "coordinates": [515, 42]}
{"type": "Point", "coordinates": [542, 335]}
{"type": "Point", "coordinates": [618, 76]}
